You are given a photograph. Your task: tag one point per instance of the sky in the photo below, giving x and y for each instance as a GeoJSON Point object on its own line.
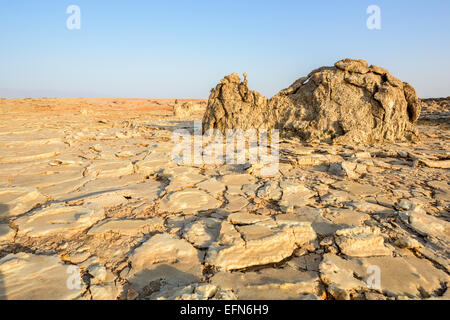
{"type": "Point", "coordinates": [181, 49]}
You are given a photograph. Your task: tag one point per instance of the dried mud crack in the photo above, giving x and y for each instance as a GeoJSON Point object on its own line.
{"type": "Point", "coordinates": [90, 184]}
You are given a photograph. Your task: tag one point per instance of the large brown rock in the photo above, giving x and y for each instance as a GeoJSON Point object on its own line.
{"type": "Point", "coordinates": [232, 105]}
{"type": "Point", "coordinates": [351, 102]}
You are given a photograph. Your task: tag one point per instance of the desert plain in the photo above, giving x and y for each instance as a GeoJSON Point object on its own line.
{"type": "Point", "coordinates": [88, 188]}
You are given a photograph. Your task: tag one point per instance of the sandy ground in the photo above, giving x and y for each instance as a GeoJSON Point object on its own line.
{"type": "Point", "coordinates": [93, 207]}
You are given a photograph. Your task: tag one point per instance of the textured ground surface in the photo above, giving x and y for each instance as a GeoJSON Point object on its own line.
{"type": "Point", "coordinates": [88, 184]}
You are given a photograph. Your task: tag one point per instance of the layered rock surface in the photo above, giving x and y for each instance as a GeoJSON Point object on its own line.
{"type": "Point", "coordinates": [99, 193]}
{"type": "Point", "coordinates": [351, 102]}
{"type": "Point", "coordinates": [30, 277]}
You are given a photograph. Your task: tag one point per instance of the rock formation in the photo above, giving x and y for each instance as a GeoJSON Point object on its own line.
{"type": "Point", "coordinates": [351, 102]}
{"type": "Point", "coordinates": [232, 105]}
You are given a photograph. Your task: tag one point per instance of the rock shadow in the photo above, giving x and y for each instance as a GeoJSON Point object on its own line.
{"type": "Point", "coordinates": [4, 210]}
{"type": "Point", "coordinates": [149, 282]}
{"type": "Point", "coordinates": [87, 195]}
{"type": "Point", "coordinates": [2, 289]}
{"type": "Point", "coordinates": [178, 125]}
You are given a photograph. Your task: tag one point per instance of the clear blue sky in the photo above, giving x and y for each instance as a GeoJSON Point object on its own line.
{"type": "Point", "coordinates": [176, 49]}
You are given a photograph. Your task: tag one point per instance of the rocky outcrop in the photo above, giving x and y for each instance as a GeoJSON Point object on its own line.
{"type": "Point", "coordinates": [351, 102]}
{"type": "Point", "coordinates": [232, 105]}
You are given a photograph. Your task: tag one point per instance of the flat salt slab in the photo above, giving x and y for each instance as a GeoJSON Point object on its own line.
{"type": "Point", "coordinates": [244, 218]}
{"type": "Point", "coordinates": [212, 186]}
{"type": "Point", "coordinates": [237, 179]}
{"type": "Point", "coordinates": [347, 217]}
{"type": "Point", "coordinates": [182, 177]}
{"type": "Point", "coordinates": [357, 189]}
{"type": "Point", "coordinates": [154, 162]}
{"type": "Point", "coordinates": [188, 201]}
{"type": "Point", "coordinates": [182, 181]}
{"type": "Point", "coordinates": [196, 291]}
{"type": "Point", "coordinates": [314, 216]}
{"type": "Point", "coordinates": [106, 291]}
{"type": "Point", "coordinates": [28, 157]}
{"type": "Point", "coordinates": [295, 195]}
{"type": "Point", "coordinates": [401, 276]}
{"type": "Point", "coordinates": [361, 242]}
{"type": "Point", "coordinates": [127, 227]}
{"type": "Point", "coordinates": [270, 284]}
{"type": "Point", "coordinates": [264, 243]}
{"type": "Point", "coordinates": [270, 191]}
{"type": "Point", "coordinates": [202, 233]}
{"type": "Point", "coordinates": [428, 225]}
{"type": "Point", "coordinates": [26, 276]}
{"type": "Point", "coordinates": [338, 274]}
{"type": "Point", "coordinates": [40, 180]}
{"type": "Point", "coordinates": [148, 190]}
{"type": "Point", "coordinates": [60, 191]}
{"type": "Point", "coordinates": [15, 201]}
{"type": "Point", "coordinates": [299, 199]}
{"type": "Point", "coordinates": [164, 257]}
{"type": "Point", "coordinates": [58, 219]}
{"type": "Point", "coordinates": [6, 233]}
{"type": "Point", "coordinates": [93, 187]}
{"type": "Point", "coordinates": [316, 159]}
{"type": "Point", "coordinates": [235, 203]}
{"type": "Point", "coordinates": [405, 276]}
{"type": "Point", "coordinates": [110, 169]}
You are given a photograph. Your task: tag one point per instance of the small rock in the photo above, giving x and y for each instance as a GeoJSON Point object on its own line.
{"type": "Point", "coordinates": [408, 243]}
{"type": "Point", "coordinates": [188, 201]}
{"type": "Point", "coordinates": [361, 242]}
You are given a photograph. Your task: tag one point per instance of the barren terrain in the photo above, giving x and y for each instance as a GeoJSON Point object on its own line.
{"type": "Point", "coordinates": [90, 184]}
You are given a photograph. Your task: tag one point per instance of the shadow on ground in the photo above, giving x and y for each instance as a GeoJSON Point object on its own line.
{"type": "Point", "coordinates": [87, 195]}
{"type": "Point", "coordinates": [151, 281]}
{"type": "Point", "coordinates": [2, 289]}
{"type": "Point", "coordinates": [4, 209]}
{"type": "Point", "coordinates": [175, 125]}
